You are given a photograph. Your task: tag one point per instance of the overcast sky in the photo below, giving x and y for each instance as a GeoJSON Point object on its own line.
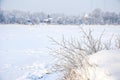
{"type": "Point", "coordinates": [72, 7]}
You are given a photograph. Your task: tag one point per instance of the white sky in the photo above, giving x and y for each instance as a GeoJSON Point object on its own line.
{"type": "Point", "coordinates": [72, 7]}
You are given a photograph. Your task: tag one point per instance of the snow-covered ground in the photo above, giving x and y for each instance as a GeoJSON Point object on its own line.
{"type": "Point", "coordinates": [107, 65]}
{"type": "Point", "coordinates": [24, 50]}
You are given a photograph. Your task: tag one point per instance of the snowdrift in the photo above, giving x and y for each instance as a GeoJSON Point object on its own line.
{"type": "Point", "coordinates": [107, 65]}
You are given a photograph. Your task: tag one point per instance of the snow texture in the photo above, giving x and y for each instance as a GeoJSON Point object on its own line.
{"type": "Point", "coordinates": [108, 64]}
{"type": "Point", "coordinates": [24, 53]}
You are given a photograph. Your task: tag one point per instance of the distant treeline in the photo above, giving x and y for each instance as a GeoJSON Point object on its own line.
{"type": "Point", "coordinates": [96, 17]}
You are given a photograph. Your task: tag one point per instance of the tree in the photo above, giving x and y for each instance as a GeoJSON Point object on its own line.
{"type": "Point", "coordinates": [1, 16]}
{"type": "Point", "coordinates": [96, 16]}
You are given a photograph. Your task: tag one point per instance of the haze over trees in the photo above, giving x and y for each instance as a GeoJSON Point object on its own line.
{"type": "Point", "coordinates": [96, 17]}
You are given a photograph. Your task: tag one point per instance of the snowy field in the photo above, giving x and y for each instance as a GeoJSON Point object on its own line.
{"type": "Point", "coordinates": [24, 49]}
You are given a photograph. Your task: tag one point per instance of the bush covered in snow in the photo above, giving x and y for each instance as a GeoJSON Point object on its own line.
{"type": "Point", "coordinates": [72, 57]}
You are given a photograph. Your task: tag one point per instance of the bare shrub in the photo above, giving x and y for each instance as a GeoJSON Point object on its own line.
{"type": "Point", "coordinates": [72, 55]}
{"type": "Point", "coordinates": [72, 61]}
{"type": "Point", "coordinates": [108, 44]}
{"type": "Point", "coordinates": [91, 44]}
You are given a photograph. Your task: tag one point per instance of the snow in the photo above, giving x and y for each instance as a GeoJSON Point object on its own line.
{"type": "Point", "coordinates": [108, 64]}
{"type": "Point", "coordinates": [36, 71]}
{"type": "Point", "coordinates": [108, 67]}
{"type": "Point", "coordinates": [24, 51]}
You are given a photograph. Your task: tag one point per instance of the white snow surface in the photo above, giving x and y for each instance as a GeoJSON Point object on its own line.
{"type": "Point", "coordinates": [24, 53]}
{"type": "Point", "coordinates": [107, 65]}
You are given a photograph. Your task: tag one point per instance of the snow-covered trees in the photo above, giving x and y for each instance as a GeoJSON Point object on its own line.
{"type": "Point", "coordinates": [94, 18]}
{"type": "Point", "coordinates": [1, 17]}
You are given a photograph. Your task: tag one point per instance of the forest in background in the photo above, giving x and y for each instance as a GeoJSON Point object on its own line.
{"type": "Point", "coordinates": [96, 17]}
